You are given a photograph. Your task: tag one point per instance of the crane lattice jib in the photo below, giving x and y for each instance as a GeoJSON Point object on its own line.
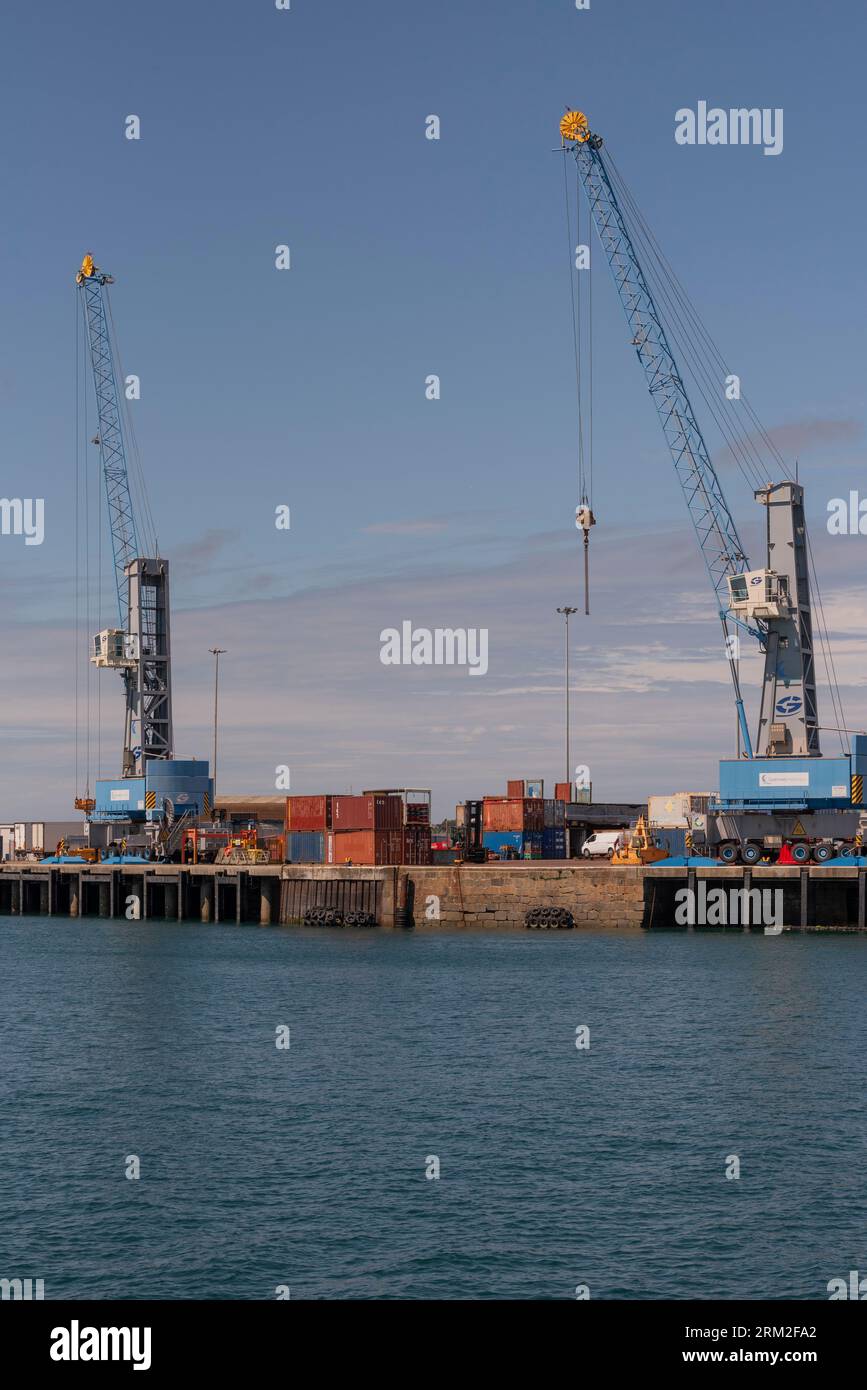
{"type": "Point", "coordinates": [717, 534]}
{"type": "Point", "coordinates": [124, 541]}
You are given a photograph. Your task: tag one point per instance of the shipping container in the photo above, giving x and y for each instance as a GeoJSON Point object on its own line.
{"type": "Point", "coordinates": [496, 839]}
{"type": "Point", "coordinates": [673, 839]}
{"type": "Point", "coordinates": [670, 811]}
{"type": "Point", "coordinates": [444, 856]}
{"type": "Point", "coordinates": [554, 842]}
{"type": "Point", "coordinates": [516, 787]}
{"type": "Point", "coordinates": [308, 813]}
{"type": "Point", "coordinates": [416, 845]}
{"type": "Point", "coordinates": [251, 808]}
{"type": "Point", "coordinates": [364, 846]}
{"type": "Point", "coordinates": [372, 812]}
{"type": "Point", "coordinates": [305, 846]}
{"type": "Point", "coordinates": [563, 791]}
{"type": "Point", "coordinates": [415, 803]}
{"type": "Point", "coordinates": [554, 814]}
{"type": "Point", "coordinates": [515, 813]}
{"type": "Point", "coordinates": [526, 844]}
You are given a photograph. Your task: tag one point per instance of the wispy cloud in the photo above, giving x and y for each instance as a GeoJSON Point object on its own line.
{"type": "Point", "coordinates": [801, 438]}
{"type": "Point", "coordinates": [302, 682]}
{"type": "Point", "coordinates": [421, 526]}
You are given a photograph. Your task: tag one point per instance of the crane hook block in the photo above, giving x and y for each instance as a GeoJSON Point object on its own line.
{"type": "Point", "coordinates": [584, 518]}
{"type": "Point", "coordinates": [574, 127]}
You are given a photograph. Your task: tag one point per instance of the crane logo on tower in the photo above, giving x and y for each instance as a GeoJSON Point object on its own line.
{"type": "Point", "coordinates": [790, 704]}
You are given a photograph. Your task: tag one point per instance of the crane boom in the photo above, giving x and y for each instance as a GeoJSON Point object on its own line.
{"type": "Point", "coordinates": [124, 540]}
{"type": "Point", "coordinates": [772, 604]}
{"type": "Point", "coordinates": [714, 525]}
{"type": "Point", "coordinates": [141, 647]}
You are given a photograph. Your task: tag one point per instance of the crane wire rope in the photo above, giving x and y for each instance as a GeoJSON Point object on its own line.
{"type": "Point", "coordinates": [827, 650]}
{"type": "Point", "coordinates": [704, 360]}
{"type": "Point", "coordinates": [697, 361]}
{"type": "Point", "coordinates": [76, 617]}
{"type": "Point", "coordinates": [701, 337]}
{"type": "Point", "coordinates": [86, 509]}
{"type": "Point", "coordinates": [575, 297]}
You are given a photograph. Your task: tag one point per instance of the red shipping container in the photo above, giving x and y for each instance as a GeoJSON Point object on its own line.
{"type": "Point", "coordinates": [514, 789]}
{"type": "Point", "coordinates": [513, 813]}
{"type": "Point", "coordinates": [416, 845]}
{"type": "Point", "coordinates": [563, 791]}
{"type": "Point", "coordinates": [308, 812]}
{"type": "Point", "coordinates": [373, 812]}
{"type": "Point", "coordinates": [364, 846]}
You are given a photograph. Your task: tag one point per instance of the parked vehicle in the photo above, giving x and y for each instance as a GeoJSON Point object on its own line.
{"type": "Point", "coordinates": [603, 844]}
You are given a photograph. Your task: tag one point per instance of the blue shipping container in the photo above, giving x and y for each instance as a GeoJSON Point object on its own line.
{"type": "Point", "coordinates": [672, 840]}
{"type": "Point", "coordinates": [527, 843]}
{"type": "Point", "coordinates": [305, 847]}
{"type": "Point", "coordinates": [554, 843]}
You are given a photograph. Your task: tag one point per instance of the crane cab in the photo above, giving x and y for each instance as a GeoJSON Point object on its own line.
{"type": "Point", "coordinates": [115, 649]}
{"type": "Point", "coordinates": [759, 594]}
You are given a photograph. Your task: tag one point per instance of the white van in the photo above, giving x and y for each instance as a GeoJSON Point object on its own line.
{"type": "Point", "coordinates": [603, 844]}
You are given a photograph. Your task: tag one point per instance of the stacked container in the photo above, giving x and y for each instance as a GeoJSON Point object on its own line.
{"type": "Point", "coordinates": [374, 811]}
{"type": "Point", "coordinates": [509, 844]}
{"type": "Point", "coordinates": [513, 813]}
{"type": "Point", "coordinates": [416, 845]}
{"type": "Point", "coordinates": [308, 813]}
{"type": "Point", "coordinates": [364, 846]}
{"type": "Point", "coordinates": [514, 821]}
{"type": "Point", "coordinates": [305, 846]}
{"type": "Point", "coordinates": [378, 828]}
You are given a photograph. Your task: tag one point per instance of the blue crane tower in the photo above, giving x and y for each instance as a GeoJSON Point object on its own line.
{"type": "Point", "coordinates": [140, 647]}
{"type": "Point", "coordinates": [771, 793]}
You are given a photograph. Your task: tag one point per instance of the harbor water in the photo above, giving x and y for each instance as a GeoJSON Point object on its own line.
{"type": "Point", "coordinates": [304, 1168]}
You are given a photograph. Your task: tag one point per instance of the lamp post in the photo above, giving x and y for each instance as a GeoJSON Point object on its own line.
{"type": "Point", "coordinates": [567, 613]}
{"type": "Point", "coordinates": [216, 653]}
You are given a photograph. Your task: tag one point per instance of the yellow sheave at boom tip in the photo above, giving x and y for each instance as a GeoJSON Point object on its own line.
{"type": "Point", "coordinates": [87, 269]}
{"type": "Point", "coordinates": [574, 127]}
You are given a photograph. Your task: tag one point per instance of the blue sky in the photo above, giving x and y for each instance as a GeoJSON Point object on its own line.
{"type": "Point", "coordinates": [306, 387]}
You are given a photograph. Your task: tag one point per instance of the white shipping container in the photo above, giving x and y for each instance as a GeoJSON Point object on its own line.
{"type": "Point", "coordinates": [673, 812]}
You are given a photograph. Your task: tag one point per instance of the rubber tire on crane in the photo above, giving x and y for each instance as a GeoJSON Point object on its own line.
{"type": "Point", "coordinates": [800, 853]}
{"type": "Point", "coordinates": [751, 853]}
{"type": "Point", "coordinates": [729, 854]}
{"type": "Point", "coordinates": [822, 853]}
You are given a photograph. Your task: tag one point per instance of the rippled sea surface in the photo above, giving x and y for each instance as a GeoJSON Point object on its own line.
{"type": "Point", "coordinates": [305, 1167]}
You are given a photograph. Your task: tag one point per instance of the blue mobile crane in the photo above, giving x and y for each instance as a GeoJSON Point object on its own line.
{"type": "Point", "coordinates": [156, 793]}
{"type": "Point", "coordinates": [781, 790]}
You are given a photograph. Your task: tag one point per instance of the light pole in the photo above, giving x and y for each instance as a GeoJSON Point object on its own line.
{"type": "Point", "coordinates": [567, 613]}
{"type": "Point", "coordinates": [216, 653]}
